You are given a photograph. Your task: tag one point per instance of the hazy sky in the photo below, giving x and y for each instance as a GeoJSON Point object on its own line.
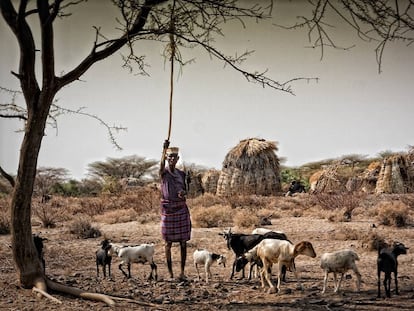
{"type": "Point", "coordinates": [351, 110]}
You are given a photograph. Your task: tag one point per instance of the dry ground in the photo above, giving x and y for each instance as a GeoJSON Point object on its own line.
{"type": "Point", "coordinates": [72, 261]}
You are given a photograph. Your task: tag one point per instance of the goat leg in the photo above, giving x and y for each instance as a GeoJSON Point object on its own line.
{"type": "Point", "coordinates": [396, 282]}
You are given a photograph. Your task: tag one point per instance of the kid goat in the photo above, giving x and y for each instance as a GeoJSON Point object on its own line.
{"type": "Point", "coordinates": [206, 258]}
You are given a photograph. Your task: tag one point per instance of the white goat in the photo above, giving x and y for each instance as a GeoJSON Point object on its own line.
{"type": "Point", "coordinates": [206, 258]}
{"type": "Point", "coordinates": [340, 262]}
{"type": "Point", "coordinates": [136, 254]}
{"type": "Point", "coordinates": [282, 252]}
{"type": "Point", "coordinates": [264, 230]}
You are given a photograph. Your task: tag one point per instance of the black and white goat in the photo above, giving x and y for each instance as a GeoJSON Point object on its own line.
{"type": "Point", "coordinates": [205, 258]}
{"type": "Point", "coordinates": [104, 258]}
{"type": "Point", "coordinates": [387, 263]}
{"type": "Point", "coordinates": [240, 243]}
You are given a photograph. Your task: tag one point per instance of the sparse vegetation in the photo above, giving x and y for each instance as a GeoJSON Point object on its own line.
{"type": "Point", "coordinates": [345, 202]}
{"type": "Point", "coordinates": [4, 216]}
{"type": "Point", "coordinates": [82, 228]}
{"type": "Point", "coordinates": [393, 213]}
{"type": "Point", "coordinates": [213, 216]}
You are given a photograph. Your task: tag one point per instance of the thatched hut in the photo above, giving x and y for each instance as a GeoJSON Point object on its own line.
{"type": "Point", "coordinates": [328, 180]}
{"type": "Point", "coordinates": [396, 174]}
{"type": "Point", "coordinates": [252, 167]}
{"type": "Point", "coordinates": [367, 181]}
{"type": "Point", "coordinates": [209, 181]}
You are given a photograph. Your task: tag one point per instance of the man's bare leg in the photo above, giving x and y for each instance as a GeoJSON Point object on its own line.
{"type": "Point", "coordinates": [168, 256]}
{"type": "Point", "coordinates": [183, 249]}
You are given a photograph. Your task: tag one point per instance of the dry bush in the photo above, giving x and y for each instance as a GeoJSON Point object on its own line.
{"type": "Point", "coordinates": [340, 201]}
{"type": "Point", "coordinates": [213, 216]}
{"type": "Point", "coordinates": [372, 241]}
{"type": "Point", "coordinates": [93, 206]}
{"type": "Point", "coordinates": [118, 216]}
{"type": "Point", "coordinates": [207, 200]}
{"type": "Point", "coordinates": [49, 213]}
{"type": "Point", "coordinates": [395, 213]}
{"type": "Point", "coordinates": [5, 224]}
{"type": "Point", "coordinates": [252, 202]}
{"type": "Point", "coordinates": [346, 234]}
{"type": "Point", "coordinates": [82, 228]}
{"type": "Point", "coordinates": [246, 219]}
{"type": "Point", "coordinates": [142, 200]}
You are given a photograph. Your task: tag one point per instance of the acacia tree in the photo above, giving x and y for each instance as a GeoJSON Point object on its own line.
{"type": "Point", "coordinates": [185, 23]}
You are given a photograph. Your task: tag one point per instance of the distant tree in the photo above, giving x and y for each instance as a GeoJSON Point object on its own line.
{"type": "Point", "coordinates": [70, 188]}
{"type": "Point", "coordinates": [127, 167]}
{"type": "Point", "coordinates": [385, 154]}
{"type": "Point", "coordinates": [183, 23]}
{"type": "Point", "coordinates": [47, 178]}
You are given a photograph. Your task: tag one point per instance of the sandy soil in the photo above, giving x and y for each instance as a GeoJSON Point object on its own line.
{"type": "Point", "coordinates": [72, 261]}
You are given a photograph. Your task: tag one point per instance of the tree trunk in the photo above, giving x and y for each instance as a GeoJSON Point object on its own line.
{"type": "Point", "coordinates": [28, 265]}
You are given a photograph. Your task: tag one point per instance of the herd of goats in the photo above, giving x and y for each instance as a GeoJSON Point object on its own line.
{"type": "Point", "coordinates": [261, 249]}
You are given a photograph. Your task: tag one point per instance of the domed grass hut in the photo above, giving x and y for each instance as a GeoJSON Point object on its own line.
{"type": "Point", "coordinates": [367, 181]}
{"type": "Point", "coordinates": [209, 181]}
{"type": "Point", "coordinates": [397, 174]}
{"type": "Point", "coordinates": [328, 180]}
{"type": "Point", "coordinates": [252, 167]}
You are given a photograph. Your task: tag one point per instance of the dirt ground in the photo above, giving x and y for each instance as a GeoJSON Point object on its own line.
{"type": "Point", "coordinates": [72, 261]}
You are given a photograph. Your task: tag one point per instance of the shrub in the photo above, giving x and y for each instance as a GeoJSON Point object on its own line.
{"type": "Point", "coordinates": [48, 213]}
{"type": "Point", "coordinates": [246, 219]}
{"type": "Point", "coordinates": [4, 222]}
{"type": "Point", "coordinates": [342, 201]}
{"type": "Point", "coordinates": [214, 216]}
{"type": "Point", "coordinates": [82, 228]}
{"type": "Point", "coordinates": [373, 240]}
{"type": "Point", "coordinates": [4, 215]}
{"type": "Point", "coordinates": [393, 213]}
{"type": "Point", "coordinates": [207, 200]}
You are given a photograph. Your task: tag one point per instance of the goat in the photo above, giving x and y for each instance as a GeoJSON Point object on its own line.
{"type": "Point", "coordinates": [340, 262]}
{"type": "Point", "coordinates": [265, 230]}
{"type": "Point", "coordinates": [387, 263]}
{"type": "Point", "coordinates": [104, 258]}
{"type": "Point", "coordinates": [136, 254]}
{"type": "Point", "coordinates": [241, 243]}
{"type": "Point", "coordinates": [251, 255]}
{"type": "Point", "coordinates": [38, 242]}
{"type": "Point", "coordinates": [206, 258]}
{"type": "Point", "coordinates": [283, 252]}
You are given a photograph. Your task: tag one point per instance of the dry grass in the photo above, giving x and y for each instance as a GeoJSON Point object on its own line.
{"type": "Point", "coordinates": [245, 219]}
{"type": "Point", "coordinates": [213, 216]}
{"type": "Point", "coordinates": [82, 228]}
{"type": "Point", "coordinates": [393, 213]}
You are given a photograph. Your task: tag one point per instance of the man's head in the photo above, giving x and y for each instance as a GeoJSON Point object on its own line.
{"type": "Point", "coordinates": [172, 156]}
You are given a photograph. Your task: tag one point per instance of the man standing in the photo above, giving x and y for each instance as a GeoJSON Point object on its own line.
{"type": "Point", "coordinates": [175, 216]}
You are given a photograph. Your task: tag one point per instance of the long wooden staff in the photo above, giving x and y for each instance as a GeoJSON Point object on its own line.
{"type": "Point", "coordinates": [172, 51]}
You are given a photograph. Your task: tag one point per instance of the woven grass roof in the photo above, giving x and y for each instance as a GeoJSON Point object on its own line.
{"type": "Point", "coordinates": [251, 167]}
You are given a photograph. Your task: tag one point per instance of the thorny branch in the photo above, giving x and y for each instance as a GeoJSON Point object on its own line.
{"type": "Point", "coordinates": [382, 22]}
